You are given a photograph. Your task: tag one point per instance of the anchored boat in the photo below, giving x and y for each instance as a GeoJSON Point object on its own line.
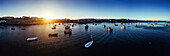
{"type": "Point", "coordinates": [88, 44]}
{"type": "Point", "coordinates": [123, 27]}
{"type": "Point", "coordinates": [116, 24]}
{"type": "Point", "coordinates": [104, 26]}
{"type": "Point", "coordinates": [55, 34]}
{"type": "Point", "coordinates": [32, 38]}
{"type": "Point", "coordinates": [67, 27]}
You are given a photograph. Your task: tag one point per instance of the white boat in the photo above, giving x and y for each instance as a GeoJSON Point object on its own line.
{"type": "Point", "coordinates": [87, 45]}
{"type": "Point", "coordinates": [32, 38]}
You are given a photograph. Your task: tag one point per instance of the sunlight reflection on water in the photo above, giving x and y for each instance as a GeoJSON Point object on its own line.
{"type": "Point", "coordinates": [132, 36]}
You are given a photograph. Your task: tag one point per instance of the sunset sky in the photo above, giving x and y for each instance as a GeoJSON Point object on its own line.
{"type": "Point", "coordinates": [140, 9]}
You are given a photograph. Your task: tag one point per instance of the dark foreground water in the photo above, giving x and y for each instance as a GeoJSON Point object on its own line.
{"type": "Point", "coordinates": [141, 40]}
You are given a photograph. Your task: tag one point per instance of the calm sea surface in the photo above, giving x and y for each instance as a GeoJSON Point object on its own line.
{"type": "Point", "coordinates": [140, 40]}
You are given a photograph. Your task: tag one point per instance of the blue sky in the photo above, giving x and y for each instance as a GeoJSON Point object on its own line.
{"type": "Point", "coordinates": [133, 9]}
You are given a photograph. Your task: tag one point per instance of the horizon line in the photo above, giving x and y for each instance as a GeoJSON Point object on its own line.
{"type": "Point", "coordinates": [85, 18]}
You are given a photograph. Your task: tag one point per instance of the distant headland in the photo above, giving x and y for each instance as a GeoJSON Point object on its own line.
{"type": "Point", "coordinates": [26, 20]}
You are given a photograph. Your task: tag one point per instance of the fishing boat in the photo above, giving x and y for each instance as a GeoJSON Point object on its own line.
{"type": "Point", "coordinates": [32, 38]}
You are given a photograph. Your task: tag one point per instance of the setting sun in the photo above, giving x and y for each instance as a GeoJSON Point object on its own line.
{"type": "Point", "coordinates": [48, 17]}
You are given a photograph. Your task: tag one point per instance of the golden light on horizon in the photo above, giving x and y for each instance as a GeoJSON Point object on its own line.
{"type": "Point", "coordinates": [47, 14]}
{"type": "Point", "coordinates": [48, 17]}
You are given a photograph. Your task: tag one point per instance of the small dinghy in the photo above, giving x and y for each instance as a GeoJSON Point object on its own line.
{"type": "Point", "coordinates": [87, 45]}
{"type": "Point", "coordinates": [32, 38]}
{"type": "Point", "coordinates": [56, 34]}
{"type": "Point", "coordinates": [116, 24]}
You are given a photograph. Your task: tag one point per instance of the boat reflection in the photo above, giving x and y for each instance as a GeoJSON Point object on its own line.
{"type": "Point", "coordinates": [109, 31]}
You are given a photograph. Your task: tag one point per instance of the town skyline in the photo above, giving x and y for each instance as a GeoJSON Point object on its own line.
{"type": "Point", "coordinates": [1, 17]}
